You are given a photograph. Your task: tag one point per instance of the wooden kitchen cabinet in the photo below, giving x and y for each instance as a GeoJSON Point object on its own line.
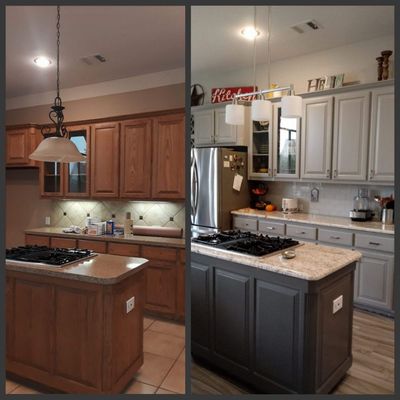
{"type": "Point", "coordinates": [381, 139]}
{"type": "Point", "coordinates": [135, 159]}
{"type": "Point", "coordinates": [316, 138]}
{"type": "Point", "coordinates": [20, 143]}
{"type": "Point", "coordinates": [104, 161]}
{"type": "Point", "coordinates": [168, 169]}
{"type": "Point", "coordinates": [32, 240]}
{"type": "Point", "coordinates": [350, 136]}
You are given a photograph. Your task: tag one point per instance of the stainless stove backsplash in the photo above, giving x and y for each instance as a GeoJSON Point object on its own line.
{"type": "Point", "coordinates": [147, 213]}
{"type": "Point", "coordinates": [334, 199]}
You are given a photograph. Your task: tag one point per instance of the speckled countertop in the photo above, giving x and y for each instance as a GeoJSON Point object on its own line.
{"type": "Point", "coordinates": [312, 262]}
{"type": "Point", "coordinates": [325, 220]}
{"type": "Point", "coordinates": [136, 239]}
{"type": "Point", "coordinates": [104, 269]}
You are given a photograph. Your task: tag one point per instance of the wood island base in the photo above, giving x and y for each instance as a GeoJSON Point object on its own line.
{"type": "Point", "coordinates": [74, 336]}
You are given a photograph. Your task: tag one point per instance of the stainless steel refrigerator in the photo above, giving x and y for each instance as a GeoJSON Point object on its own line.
{"type": "Point", "coordinates": [214, 171]}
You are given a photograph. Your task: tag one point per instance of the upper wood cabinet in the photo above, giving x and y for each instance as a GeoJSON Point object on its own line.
{"type": "Point", "coordinates": [381, 139]}
{"type": "Point", "coordinates": [316, 138]}
{"type": "Point", "coordinates": [20, 143]}
{"type": "Point", "coordinates": [350, 136]}
{"type": "Point", "coordinates": [104, 160]}
{"type": "Point", "coordinates": [135, 159]}
{"type": "Point", "coordinates": [168, 169]}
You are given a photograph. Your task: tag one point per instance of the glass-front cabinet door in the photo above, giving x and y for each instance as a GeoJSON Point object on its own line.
{"type": "Point", "coordinates": [286, 140]}
{"type": "Point", "coordinates": [52, 179]}
{"type": "Point", "coordinates": [77, 173]}
{"type": "Point", "coordinates": [260, 150]}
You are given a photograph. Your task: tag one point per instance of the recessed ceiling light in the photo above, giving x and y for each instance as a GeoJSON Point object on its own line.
{"type": "Point", "coordinates": [42, 62]}
{"type": "Point", "coordinates": [250, 33]}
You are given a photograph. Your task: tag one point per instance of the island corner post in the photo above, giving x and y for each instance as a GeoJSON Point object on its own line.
{"type": "Point", "coordinates": [75, 335]}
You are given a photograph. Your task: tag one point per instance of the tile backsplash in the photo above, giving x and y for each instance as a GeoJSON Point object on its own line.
{"type": "Point", "coordinates": [74, 212]}
{"type": "Point", "coordinates": [334, 199]}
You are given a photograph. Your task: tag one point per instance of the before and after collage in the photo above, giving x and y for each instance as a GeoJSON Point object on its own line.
{"type": "Point", "coordinates": [199, 199]}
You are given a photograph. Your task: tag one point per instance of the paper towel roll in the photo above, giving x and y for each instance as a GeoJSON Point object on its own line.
{"type": "Point", "coordinates": [157, 231]}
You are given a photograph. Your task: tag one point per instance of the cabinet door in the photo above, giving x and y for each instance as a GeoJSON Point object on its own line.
{"type": "Point", "coordinates": [76, 173]}
{"type": "Point", "coordinates": [17, 147]}
{"type": "Point", "coordinates": [350, 136]}
{"type": "Point", "coordinates": [224, 133]}
{"type": "Point", "coordinates": [203, 127]}
{"type": "Point", "coordinates": [51, 178]}
{"type": "Point", "coordinates": [104, 161]}
{"type": "Point", "coordinates": [135, 164]}
{"type": "Point", "coordinates": [374, 281]}
{"type": "Point", "coordinates": [316, 138]}
{"type": "Point", "coordinates": [381, 148]}
{"type": "Point", "coordinates": [168, 172]}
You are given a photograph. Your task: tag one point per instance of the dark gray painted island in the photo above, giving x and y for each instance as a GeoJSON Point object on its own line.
{"type": "Point", "coordinates": [273, 331]}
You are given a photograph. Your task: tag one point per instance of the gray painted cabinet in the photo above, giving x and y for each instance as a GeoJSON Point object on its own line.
{"type": "Point", "coordinates": [203, 126]}
{"type": "Point", "coordinates": [224, 133]}
{"type": "Point", "coordinates": [381, 150]}
{"type": "Point", "coordinates": [350, 136]}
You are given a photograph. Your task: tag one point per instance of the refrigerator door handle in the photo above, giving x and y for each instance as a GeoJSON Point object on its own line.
{"type": "Point", "coordinates": [196, 186]}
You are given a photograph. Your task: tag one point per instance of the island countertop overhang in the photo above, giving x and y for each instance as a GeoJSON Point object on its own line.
{"type": "Point", "coordinates": [312, 262]}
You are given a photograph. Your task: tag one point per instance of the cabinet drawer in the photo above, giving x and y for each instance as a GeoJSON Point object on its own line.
{"type": "Point", "coordinates": [248, 224]}
{"type": "Point", "coordinates": [62, 242]}
{"type": "Point", "coordinates": [159, 253]}
{"type": "Point", "coordinates": [373, 242]}
{"type": "Point", "coordinates": [37, 240]}
{"type": "Point", "coordinates": [302, 232]}
{"type": "Point", "coordinates": [335, 237]}
{"type": "Point", "coordinates": [123, 249]}
{"type": "Point", "coordinates": [95, 245]}
{"type": "Point", "coordinates": [271, 228]}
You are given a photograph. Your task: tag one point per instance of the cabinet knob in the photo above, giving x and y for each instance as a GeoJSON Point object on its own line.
{"type": "Point", "coordinates": [335, 173]}
{"type": "Point", "coordinates": [372, 173]}
{"type": "Point", "coordinates": [274, 172]}
{"type": "Point", "coordinates": [328, 173]}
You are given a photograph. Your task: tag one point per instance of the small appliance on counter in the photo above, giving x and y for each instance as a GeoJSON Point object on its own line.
{"type": "Point", "coordinates": [290, 205]}
{"type": "Point", "coordinates": [361, 211]}
{"type": "Point", "coordinates": [386, 209]}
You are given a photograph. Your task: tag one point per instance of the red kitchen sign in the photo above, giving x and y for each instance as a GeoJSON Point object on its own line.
{"type": "Point", "coordinates": [221, 95]}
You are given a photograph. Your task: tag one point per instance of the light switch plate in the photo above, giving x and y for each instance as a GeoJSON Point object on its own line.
{"type": "Point", "coordinates": [130, 304]}
{"type": "Point", "coordinates": [337, 304]}
{"type": "Point", "coordinates": [47, 221]}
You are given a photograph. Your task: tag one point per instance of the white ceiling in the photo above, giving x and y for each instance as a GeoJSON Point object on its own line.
{"type": "Point", "coordinates": [216, 42]}
{"type": "Point", "coordinates": [135, 40]}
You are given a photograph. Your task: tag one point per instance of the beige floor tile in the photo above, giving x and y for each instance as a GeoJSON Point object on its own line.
{"type": "Point", "coordinates": [175, 380]}
{"type": "Point", "coordinates": [162, 344]}
{"type": "Point", "coordinates": [24, 390]}
{"type": "Point", "coordinates": [137, 387]}
{"type": "Point", "coordinates": [154, 370]}
{"type": "Point", "coordinates": [10, 385]}
{"type": "Point", "coordinates": [182, 356]}
{"type": "Point", "coordinates": [169, 328]}
{"type": "Point", "coordinates": [147, 322]}
{"type": "Point", "coordinates": [163, 391]}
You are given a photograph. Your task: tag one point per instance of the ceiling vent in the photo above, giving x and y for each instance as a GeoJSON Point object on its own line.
{"type": "Point", "coordinates": [310, 25]}
{"type": "Point", "coordinates": [93, 59]}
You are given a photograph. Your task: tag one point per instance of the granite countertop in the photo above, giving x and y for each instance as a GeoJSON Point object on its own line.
{"type": "Point", "coordinates": [312, 262]}
{"type": "Point", "coordinates": [136, 239]}
{"type": "Point", "coordinates": [104, 269]}
{"type": "Point", "coordinates": [325, 220]}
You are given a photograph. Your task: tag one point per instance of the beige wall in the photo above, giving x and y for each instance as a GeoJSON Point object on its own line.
{"type": "Point", "coordinates": [24, 207]}
{"type": "Point", "coordinates": [161, 98]}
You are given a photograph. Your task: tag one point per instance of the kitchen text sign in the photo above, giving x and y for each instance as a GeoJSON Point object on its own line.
{"type": "Point", "coordinates": [221, 95]}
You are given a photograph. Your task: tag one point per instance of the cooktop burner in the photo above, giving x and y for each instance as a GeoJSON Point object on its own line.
{"type": "Point", "coordinates": [246, 242]}
{"type": "Point", "coordinates": [56, 257]}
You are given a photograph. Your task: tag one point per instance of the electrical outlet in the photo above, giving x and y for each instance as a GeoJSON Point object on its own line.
{"type": "Point", "coordinates": [130, 304]}
{"type": "Point", "coordinates": [47, 221]}
{"type": "Point", "coordinates": [337, 304]}
{"type": "Point", "coordinates": [314, 195]}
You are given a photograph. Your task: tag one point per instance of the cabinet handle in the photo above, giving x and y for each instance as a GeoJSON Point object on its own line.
{"type": "Point", "coordinates": [375, 243]}
{"type": "Point", "coordinates": [335, 237]}
{"type": "Point", "coordinates": [274, 173]}
{"type": "Point", "coordinates": [302, 233]}
{"type": "Point", "coordinates": [328, 173]}
{"type": "Point", "coordinates": [270, 228]}
{"type": "Point", "coordinates": [335, 173]}
{"type": "Point", "coordinates": [372, 173]}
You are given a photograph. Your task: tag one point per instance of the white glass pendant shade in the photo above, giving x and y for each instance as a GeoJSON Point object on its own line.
{"type": "Point", "coordinates": [57, 149]}
{"type": "Point", "coordinates": [261, 110]}
{"type": "Point", "coordinates": [234, 114]}
{"type": "Point", "coordinates": [292, 106]}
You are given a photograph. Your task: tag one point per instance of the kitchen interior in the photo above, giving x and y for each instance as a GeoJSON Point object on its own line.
{"type": "Point", "coordinates": [95, 211]}
{"type": "Point", "coordinates": [292, 199]}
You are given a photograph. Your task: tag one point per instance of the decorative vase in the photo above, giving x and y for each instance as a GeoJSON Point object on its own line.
{"type": "Point", "coordinates": [385, 64]}
{"type": "Point", "coordinates": [380, 68]}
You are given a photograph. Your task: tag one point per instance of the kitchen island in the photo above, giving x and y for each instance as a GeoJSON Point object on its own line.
{"type": "Point", "coordinates": [68, 328]}
{"type": "Point", "coordinates": [279, 325]}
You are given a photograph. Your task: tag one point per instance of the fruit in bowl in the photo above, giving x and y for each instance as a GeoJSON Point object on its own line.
{"type": "Point", "coordinates": [270, 207]}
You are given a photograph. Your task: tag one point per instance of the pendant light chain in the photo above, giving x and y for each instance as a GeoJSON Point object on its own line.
{"type": "Point", "coordinates": [254, 48]}
{"type": "Point", "coordinates": [58, 51]}
{"type": "Point", "coordinates": [268, 47]}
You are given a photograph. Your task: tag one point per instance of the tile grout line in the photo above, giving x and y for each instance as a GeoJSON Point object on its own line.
{"type": "Point", "coordinates": [176, 360]}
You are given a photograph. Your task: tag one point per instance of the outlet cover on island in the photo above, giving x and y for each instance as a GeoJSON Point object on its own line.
{"type": "Point", "coordinates": [130, 304]}
{"type": "Point", "coordinates": [47, 221]}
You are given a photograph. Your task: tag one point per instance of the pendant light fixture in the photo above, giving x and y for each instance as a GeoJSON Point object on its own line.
{"type": "Point", "coordinates": [261, 109]}
{"type": "Point", "coordinates": [56, 147]}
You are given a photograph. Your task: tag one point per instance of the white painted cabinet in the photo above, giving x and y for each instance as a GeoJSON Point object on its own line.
{"type": "Point", "coordinates": [203, 127]}
{"type": "Point", "coordinates": [350, 136]}
{"type": "Point", "coordinates": [316, 138]}
{"type": "Point", "coordinates": [224, 133]}
{"type": "Point", "coordinates": [381, 148]}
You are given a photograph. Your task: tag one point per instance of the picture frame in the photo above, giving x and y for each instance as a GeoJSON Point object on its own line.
{"type": "Point", "coordinates": [339, 80]}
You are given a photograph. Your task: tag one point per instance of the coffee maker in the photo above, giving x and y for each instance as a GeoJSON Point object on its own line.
{"type": "Point", "coordinates": [361, 210]}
